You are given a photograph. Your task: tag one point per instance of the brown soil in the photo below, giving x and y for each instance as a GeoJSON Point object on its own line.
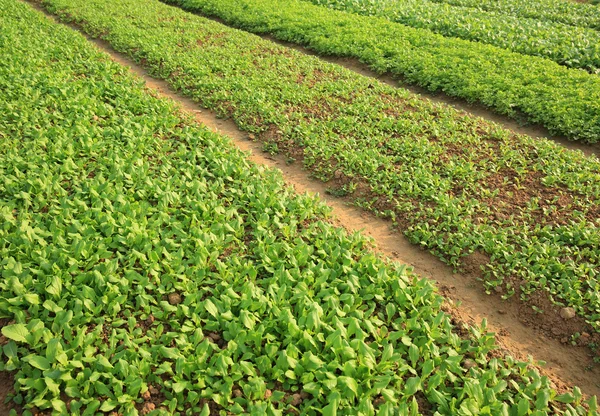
{"type": "Point", "coordinates": [515, 193]}
{"type": "Point", "coordinates": [6, 388]}
{"type": "Point", "coordinates": [519, 332]}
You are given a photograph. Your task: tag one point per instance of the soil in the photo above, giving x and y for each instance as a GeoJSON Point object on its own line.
{"type": "Point", "coordinates": [6, 387]}
{"type": "Point", "coordinates": [520, 332]}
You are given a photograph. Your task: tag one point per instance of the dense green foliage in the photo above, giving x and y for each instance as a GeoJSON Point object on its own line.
{"type": "Point", "coordinates": [571, 46]}
{"type": "Point", "coordinates": [566, 101]}
{"type": "Point", "coordinates": [563, 11]}
{"type": "Point", "coordinates": [147, 265]}
{"type": "Point", "coordinates": [457, 184]}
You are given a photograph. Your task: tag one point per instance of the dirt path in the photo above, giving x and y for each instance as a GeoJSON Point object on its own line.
{"type": "Point", "coordinates": [565, 364]}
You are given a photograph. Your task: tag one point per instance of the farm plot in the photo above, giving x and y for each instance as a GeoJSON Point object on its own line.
{"type": "Point", "coordinates": [525, 211]}
{"type": "Point", "coordinates": [571, 13]}
{"type": "Point", "coordinates": [147, 267]}
{"type": "Point", "coordinates": [528, 88]}
{"type": "Point", "coordinates": [571, 46]}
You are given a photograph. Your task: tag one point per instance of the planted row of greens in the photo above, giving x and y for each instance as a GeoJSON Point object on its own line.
{"type": "Point", "coordinates": [566, 101]}
{"type": "Point", "coordinates": [562, 11]}
{"type": "Point", "coordinates": [458, 185]}
{"type": "Point", "coordinates": [571, 46]}
{"type": "Point", "coordinates": [149, 268]}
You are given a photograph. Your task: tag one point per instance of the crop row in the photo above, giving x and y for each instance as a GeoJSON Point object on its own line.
{"type": "Point", "coordinates": [562, 11]}
{"type": "Point", "coordinates": [566, 101]}
{"type": "Point", "coordinates": [148, 267]}
{"type": "Point", "coordinates": [571, 46]}
{"type": "Point", "coordinates": [459, 186]}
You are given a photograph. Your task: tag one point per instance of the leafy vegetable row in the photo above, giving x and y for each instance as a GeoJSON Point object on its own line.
{"type": "Point", "coordinates": [459, 186]}
{"type": "Point", "coordinates": [149, 268]}
{"type": "Point", "coordinates": [571, 46]}
{"type": "Point", "coordinates": [566, 101]}
{"type": "Point", "coordinates": [562, 11]}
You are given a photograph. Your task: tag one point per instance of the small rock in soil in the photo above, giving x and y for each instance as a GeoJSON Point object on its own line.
{"type": "Point", "coordinates": [469, 364]}
{"type": "Point", "coordinates": [174, 298]}
{"type": "Point", "coordinates": [146, 395]}
{"type": "Point", "coordinates": [148, 407]}
{"type": "Point", "coordinates": [296, 399]}
{"type": "Point", "coordinates": [153, 390]}
{"type": "Point", "coordinates": [567, 313]}
{"type": "Point", "coordinates": [556, 331]}
{"type": "Point", "coordinates": [498, 289]}
{"type": "Point", "coordinates": [237, 393]}
{"type": "Point", "coordinates": [564, 340]}
{"type": "Point", "coordinates": [501, 311]}
{"type": "Point", "coordinates": [214, 336]}
{"type": "Point", "coordinates": [268, 393]}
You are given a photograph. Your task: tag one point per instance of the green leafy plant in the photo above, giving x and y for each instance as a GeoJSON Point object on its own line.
{"type": "Point", "coordinates": [148, 267]}
{"type": "Point", "coordinates": [577, 47]}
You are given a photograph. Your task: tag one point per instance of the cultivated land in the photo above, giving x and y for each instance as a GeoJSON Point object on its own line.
{"type": "Point", "coordinates": [571, 13]}
{"type": "Point", "coordinates": [149, 268]}
{"type": "Point", "coordinates": [524, 211]}
{"type": "Point", "coordinates": [571, 46]}
{"type": "Point", "coordinates": [536, 90]}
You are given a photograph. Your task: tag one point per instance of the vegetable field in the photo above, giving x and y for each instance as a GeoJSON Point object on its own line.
{"type": "Point", "coordinates": [565, 101]}
{"type": "Point", "coordinates": [571, 13]}
{"type": "Point", "coordinates": [456, 184]}
{"type": "Point", "coordinates": [577, 47]}
{"type": "Point", "coordinates": [148, 268]}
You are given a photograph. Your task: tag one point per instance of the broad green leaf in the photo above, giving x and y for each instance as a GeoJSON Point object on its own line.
{"type": "Point", "coordinates": [39, 362]}
{"type": "Point", "coordinates": [16, 332]}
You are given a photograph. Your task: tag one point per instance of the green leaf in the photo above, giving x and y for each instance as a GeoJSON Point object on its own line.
{"type": "Point", "coordinates": [211, 308]}
{"type": "Point", "coordinates": [413, 354]}
{"type": "Point", "coordinates": [103, 361]}
{"type": "Point", "coordinates": [523, 407]}
{"type": "Point", "coordinates": [54, 286]}
{"type": "Point", "coordinates": [39, 362]}
{"type": "Point", "coordinates": [543, 397]}
{"type": "Point", "coordinates": [108, 405]}
{"type": "Point", "coordinates": [351, 384]}
{"type": "Point", "coordinates": [565, 398]}
{"type": "Point", "coordinates": [16, 332]}
{"type": "Point", "coordinates": [179, 387]}
{"type": "Point", "coordinates": [330, 409]}
{"type": "Point", "coordinates": [413, 385]}
{"type": "Point", "coordinates": [60, 406]}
